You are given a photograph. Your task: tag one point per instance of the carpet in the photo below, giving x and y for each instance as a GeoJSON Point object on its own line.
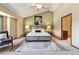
{"type": "Point", "coordinates": [38, 46]}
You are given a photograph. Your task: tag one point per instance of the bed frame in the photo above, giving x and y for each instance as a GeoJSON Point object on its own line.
{"type": "Point", "coordinates": [38, 40]}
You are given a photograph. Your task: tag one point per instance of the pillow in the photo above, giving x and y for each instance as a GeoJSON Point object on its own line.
{"type": "Point", "coordinates": [38, 31]}
{"type": "Point", "coordinates": [3, 36]}
{"type": "Point", "coordinates": [34, 30]}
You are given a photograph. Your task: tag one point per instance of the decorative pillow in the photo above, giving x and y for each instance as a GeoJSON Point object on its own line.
{"type": "Point", "coordinates": [3, 36]}
{"type": "Point", "coordinates": [34, 30]}
{"type": "Point", "coordinates": [38, 31]}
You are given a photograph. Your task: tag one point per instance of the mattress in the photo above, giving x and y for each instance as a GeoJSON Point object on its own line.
{"type": "Point", "coordinates": [38, 34]}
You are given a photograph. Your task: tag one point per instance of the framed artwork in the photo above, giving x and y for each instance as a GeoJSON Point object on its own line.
{"type": "Point", "coordinates": [38, 20]}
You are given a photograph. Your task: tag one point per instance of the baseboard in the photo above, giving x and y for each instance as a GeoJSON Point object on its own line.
{"type": "Point", "coordinates": [74, 46]}
{"type": "Point", "coordinates": [56, 36]}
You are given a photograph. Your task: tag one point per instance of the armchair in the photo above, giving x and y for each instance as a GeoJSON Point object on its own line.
{"type": "Point", "coordinates": [5, 38]}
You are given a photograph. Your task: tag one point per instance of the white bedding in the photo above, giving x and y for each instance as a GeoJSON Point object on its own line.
{"type": "Point", "coordinates": [38, 46]}
{"type": "Point", "coordinates": [41, 35]}
{"type": "Point", "coordinates": [38, 34]}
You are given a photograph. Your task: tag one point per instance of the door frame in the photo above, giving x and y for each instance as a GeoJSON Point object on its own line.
{"type": "Point", "coordinates": [70, 26]}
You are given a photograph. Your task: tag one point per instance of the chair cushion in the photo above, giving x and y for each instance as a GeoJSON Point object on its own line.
{"type": "Point", "coordinates": [5, 41]}
{"type": "Point", "coordinates": [3, 35]}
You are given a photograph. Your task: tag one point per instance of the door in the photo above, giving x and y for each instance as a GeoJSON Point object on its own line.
{"type": "Point", "coordinates": [66, 25]}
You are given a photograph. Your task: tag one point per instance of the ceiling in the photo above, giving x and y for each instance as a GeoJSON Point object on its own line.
{"type": "Point", "coordinates": [25, 10]}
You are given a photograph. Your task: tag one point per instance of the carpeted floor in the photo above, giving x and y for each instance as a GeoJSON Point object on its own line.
{"type": "Point", "coordinates": [8, 47]}
{"type": "Point", "coordinates": [62, 48]}
{"type": "Point", "coordinates": [38, 46]}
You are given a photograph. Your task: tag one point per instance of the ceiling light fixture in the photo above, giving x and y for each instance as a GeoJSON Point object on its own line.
{"type": "Point", "coordinates": [38, 6]}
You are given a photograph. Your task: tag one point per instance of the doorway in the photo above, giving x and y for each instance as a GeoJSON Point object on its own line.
{"type": "Point", "coordinates": [66, 28]}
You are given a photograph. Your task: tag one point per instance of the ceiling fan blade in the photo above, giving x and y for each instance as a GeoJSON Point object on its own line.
{"type": "Point", "coordinates": [38, 7]}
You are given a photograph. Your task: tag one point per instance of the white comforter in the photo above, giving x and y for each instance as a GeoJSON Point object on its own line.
{"type": "Point", "coordinates": [38, 34]}
{"type": "Point", "coordinates": [41, 35]}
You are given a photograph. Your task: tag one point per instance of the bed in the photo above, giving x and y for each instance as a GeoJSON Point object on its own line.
{"type": "Point", "coordinates": [38, 40]}
{"type": "Point", "coordinates": [38, 35]}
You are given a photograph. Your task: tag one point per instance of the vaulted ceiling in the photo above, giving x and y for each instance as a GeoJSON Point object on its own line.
{"type": "Point", "coordinates": [25, 10]}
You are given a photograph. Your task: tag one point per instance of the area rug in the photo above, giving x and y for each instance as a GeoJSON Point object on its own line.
{"type": "Point", "coordinates": [38, 46]}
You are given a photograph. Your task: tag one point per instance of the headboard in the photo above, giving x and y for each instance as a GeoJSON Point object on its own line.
{"type": "Point", "coordinates": [38, 27]}
{"type": "Point", "coordinates": [38, 30]}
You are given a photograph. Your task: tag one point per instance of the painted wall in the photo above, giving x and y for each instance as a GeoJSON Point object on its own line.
{"type": "Point", "coordinates": [19, 27]}
{"type": "Point", "coordinates": [13, 27]}
{"type": "Point", "coordinates": [62, 11]}
{"type": "Point", "coordinates": [8, 24]}
{"type": "Point", "coordinates": [47, 19]}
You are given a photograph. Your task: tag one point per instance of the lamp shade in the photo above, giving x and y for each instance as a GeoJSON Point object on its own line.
{"type": "Point", "coordinates": [48, 27]}
{"type": "Point", "coordinates": [27, 27]}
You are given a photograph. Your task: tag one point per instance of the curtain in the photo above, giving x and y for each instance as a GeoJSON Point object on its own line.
{"type": "Point", "coordinates": [0, 23]}
{"type": "Point", "coordinates": [3, 23]}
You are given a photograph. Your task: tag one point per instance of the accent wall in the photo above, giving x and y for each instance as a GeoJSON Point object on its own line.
{"type": "Point", "coordinates": [47, 19]}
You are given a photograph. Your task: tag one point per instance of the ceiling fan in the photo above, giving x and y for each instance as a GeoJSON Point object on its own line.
{"type": "Point", "coordinates": [38, 6]}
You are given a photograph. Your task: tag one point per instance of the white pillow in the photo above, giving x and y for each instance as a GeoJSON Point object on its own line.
{"type": "Point", "coordinates": [33, 30]}
{"type": "Point", "coordinates": [4, 35]}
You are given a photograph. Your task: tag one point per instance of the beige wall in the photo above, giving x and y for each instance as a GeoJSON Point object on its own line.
{"type": "Point", "coordinates": [62, 11]}
{"type": "Point", "coordinates": [19, 27]}
{"type": "Point", "coordinates": [13, 27]}
{"type": "Point", "coordinates": [47, 19]}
